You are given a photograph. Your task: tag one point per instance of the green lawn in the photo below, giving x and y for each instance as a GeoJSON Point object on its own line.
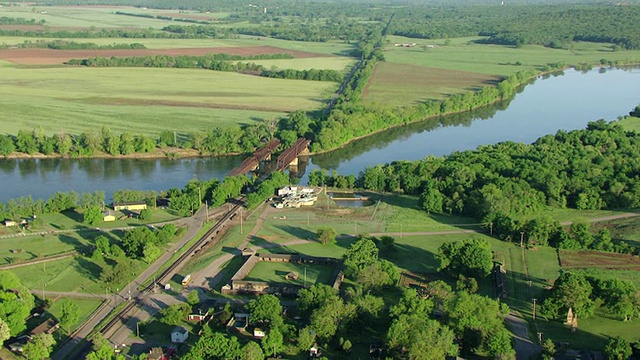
{"type": "Point", "coordinates": [86, 307]}
{"type": "Point", "coordinates": [14, 250]}
{"type": "Point", "coordinates": [146, 100]}
{"type": "Point", "coordinates": [275, 272]}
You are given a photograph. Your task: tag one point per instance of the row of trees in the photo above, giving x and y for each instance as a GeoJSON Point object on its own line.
{"type": "Point", "coordinates": [71, 45]}
{"type": "Point", "coordinates": [217, 62]}
{"type": "Point", "coordinates": [4, 20]}
{"type": "Point", "coordinates": [23, 207]}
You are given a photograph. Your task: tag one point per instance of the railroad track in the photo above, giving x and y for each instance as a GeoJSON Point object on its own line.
{"type": "Point", "coordinates": [209, 238]}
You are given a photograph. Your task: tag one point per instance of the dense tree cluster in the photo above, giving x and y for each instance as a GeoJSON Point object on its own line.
{"type": "Point", "coordinates": [585, 293]}
{"type": "Point", "coordinates": [555, 26]}
{"type": "Point", "coordinates": [16, 302]}
{"type": "Point", "coordinates": [23, 207]}
{"type": "Point", "coordinates": [470, 257]}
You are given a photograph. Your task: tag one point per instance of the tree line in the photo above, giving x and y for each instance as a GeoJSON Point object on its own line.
{"type": "Point", "coordinates": [20, 21]}
{"type": "Point", "coordinates": [71, 45]}
{"type": "Point", "coordinates": [217, 62]}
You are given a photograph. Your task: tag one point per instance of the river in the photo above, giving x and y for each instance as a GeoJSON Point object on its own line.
{"type": "Point", "coordinates": [568, 101]}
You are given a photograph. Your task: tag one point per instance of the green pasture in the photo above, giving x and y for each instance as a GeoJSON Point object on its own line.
{"type": "Point", "coordinates": [319, 63]}
{"type": "Point", "coordinates": [19, 249]}
{"type": "Point", "coordinates": [573, 215]}
{"type": "Point", "coordinates": [146, 100]}
{"type": "Point", "coordinates": [497, 60]}
{"type": "Point", "coordinates": [402, 84]}
{"type": "Point", "coordinates": [275, 272]}
{"type": "Point", "coordinates": [87, 17]}
{"type": "Point", "coordinates": [629, 123]}
{"type": "Point", "coordinates": [86, 307]}
{"type": "Point", "coordinates": [335, 250]}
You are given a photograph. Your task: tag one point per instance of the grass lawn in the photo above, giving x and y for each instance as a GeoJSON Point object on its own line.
{"type": "Point", "coordinates": [275, 272]}
{"type": "Point", "coordinates": [14, 250]}
{"type": "Point", "coordinates": [314, 249]}
{"type": "Point", "coordinates": [574, 215]}
{"type": "Point", "coordinates": [146, 100]}
{"type": "Point", "coordinates": [86, 307]}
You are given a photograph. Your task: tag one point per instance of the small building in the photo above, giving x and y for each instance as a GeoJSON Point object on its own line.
{"type": "Point", "coordinates": [239, 321]}
{"type": "Point", "coordinates": [8, 223]}
{"type": "Point", "coordinates": [130, 206]}
{"type": "Point", "coordinates": [248, 252]}
{"type": "Point", "coordinates": [259, 333]}
{"type": "Point", "coordinates": [201, 314]}
{"type": "Point", "coordinates": [49, 326]}
{"type": "Point", "coordinates": [179, 334]}
{"type": "Point", "coordinates": [108, 215]}
{"type": "Point", "coordinates": [292, 276]}
{"type": "Point", "coordinates": [156, 354]}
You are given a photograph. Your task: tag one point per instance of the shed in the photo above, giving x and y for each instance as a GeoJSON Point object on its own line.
{"type": "Point", "coordinates": [292, 276]}
{"type": "Point", "coordinates": [179, 334]}
{"type": "Point", "coordinates": [108, 215]}
{"type": "Point", "coordinates": [8, 223]}
{"type": "Point", "coordinates": [156, 354]}
{"type": "Point", "coordinates": [259, 333]}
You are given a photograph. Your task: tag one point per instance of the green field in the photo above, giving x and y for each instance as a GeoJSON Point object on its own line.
{"type": "Point", "coordinates": [330, 63]}
{"type": "Point", "coordinates": [275, 272]}
{"type": "Point", "coordinates": [85, 306]}
{"type": "Point", "coordinates": [630, 123]}
{"type": "Point", "coordinates": [146, 100]}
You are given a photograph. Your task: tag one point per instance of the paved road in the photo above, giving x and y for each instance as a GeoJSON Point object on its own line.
{"type": "Point", "coordinates": [524, 347]}
{"type": "Point", "coordinates": [193, 224]}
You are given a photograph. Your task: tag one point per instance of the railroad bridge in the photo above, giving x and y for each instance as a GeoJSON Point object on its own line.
{"type": "Point", "coordinates": [290, 156]}
{"type": "Point", "coordinates": [251, 163]}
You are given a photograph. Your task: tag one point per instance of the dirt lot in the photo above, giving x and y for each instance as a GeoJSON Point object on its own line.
{"type": "Point", "coordinates": [51, 57]}
{"type": "Point", "coordinates": [596, 259]}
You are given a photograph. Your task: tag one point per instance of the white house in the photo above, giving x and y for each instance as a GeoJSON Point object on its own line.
{"type": "Point", "coordinates": [179, 334]}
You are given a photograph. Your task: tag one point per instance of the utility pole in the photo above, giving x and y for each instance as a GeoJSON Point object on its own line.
{"type": "Point", "coordinates": [355, 228]}
{"type": "Point", "coordinates": [400, 230]}
{"type": "Point", "coordinates": [534, 310]}
{"type": "Point", "coordinates": [521, 238]}
{"type": "Point", "coordinates": [206, 209]}
{"type": "Point", "coordinates": [241, 229]}
{"type": "Point", "coordinates": [490, 228]}
{"type": "Point", "coordinates": [307, 219]}
{"type": "Point", "coordinates": [540, 337]}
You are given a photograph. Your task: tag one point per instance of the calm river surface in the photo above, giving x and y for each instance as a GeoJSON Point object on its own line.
{"type": "Point", "coordinates": [565, 102]}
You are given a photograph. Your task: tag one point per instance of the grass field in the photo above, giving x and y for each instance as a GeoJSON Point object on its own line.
{"type": "Point", "coordinates": [402, 84]}
{"type": "Point", "coordinates": [330, 63]}
{"type": "Point", "coordinates": [15, 250]}
{"type": "Point", "coordinates": [86, 307]}
{"type": "Point", "coordinates": [146, 100]}
{"type": "Point", "coordinates": [629, 123]}
{"type": "Point", "coordinates": [275, 272]}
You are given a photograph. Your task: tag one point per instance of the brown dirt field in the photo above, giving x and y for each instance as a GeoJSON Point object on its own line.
{"type": "Point", "coordinates": [50, 57]}
{"type": "Point", "coordinates": [597, 259]}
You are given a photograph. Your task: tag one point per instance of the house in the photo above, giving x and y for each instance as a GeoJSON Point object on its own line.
{"type": "Point", "coordinates": [239, 321]}
{"type": "Point", "coordinates": [259, 333]}
{"type": "Point", "coordinates": [201, 315]}
{"type": "Point", "coordinates": [292, 276]}
{"type": "Point", "coordinates": [49, 326]}
{"type": "Point", "coordinates": [108, 215]}
{"type": "Point", "coordinates": [179, 334]}
{"type": "Point", "coordinates": [130, 206]}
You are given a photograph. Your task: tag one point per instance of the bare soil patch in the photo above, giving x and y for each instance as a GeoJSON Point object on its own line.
{"type": "Point", "coordinates": [49, 56]}
{"type": "Point", "coordinates": [597, 259]}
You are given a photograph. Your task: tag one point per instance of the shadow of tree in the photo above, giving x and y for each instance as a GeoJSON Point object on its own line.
{"type": "Point", "coordinates": [86, 268]}
{"type": "Point", "coordinates": [298, 232]}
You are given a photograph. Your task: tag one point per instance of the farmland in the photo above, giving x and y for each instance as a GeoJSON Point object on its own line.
{"type": "Point", "coordinates": [146, 100]}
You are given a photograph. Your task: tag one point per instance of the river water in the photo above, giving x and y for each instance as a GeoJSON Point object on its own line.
{"type": "Point", "coordinates": [567, 101]}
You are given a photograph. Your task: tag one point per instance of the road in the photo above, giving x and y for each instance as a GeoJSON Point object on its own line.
{"type": "Point", "coordinates": [525, 349]}
{"type": "Point", "coordinates": [193, 225]}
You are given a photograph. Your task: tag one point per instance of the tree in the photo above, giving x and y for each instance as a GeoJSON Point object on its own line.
{"type": "Point", "coordinates": [252, 351]}
{"type": "Point", "coordinates": [5, 332]}
{"type": "Point", "coordinates": [273, 341]}
{"type": "Point", "coordinates": [418, 337]}
{"type": "Point", "coordinates": [193, 298]}
{"type": "Point", "coordinates": [16, 302]}
{"type": "Point", "coordinates": [306, 338]}
{"type": "Point", "coordinates": [102, 245]}
{"type": "Point", "coordinates": [316, 296]}
{"type": "Point", "coordinates": [150, 252]}
{"type": "Point", "coordinates": [360, 255]}
{"type": "Point", "coordinates": [548, 349]}
{"type": "Point", "coordinates": [175, 313]}
{"type": "Point", "coordinates": [499, 346]}
{"type": "Point", "coordinates": [69, 313]}
{"type": "Point", "coordinates": [145, 214]}
{"type": "Point", "coordinates": [39, 347]}
{"type": "Point", "coordinates": [6, 145]}
{"type": "Point", "coordinates": [570, 290]}
{"type": "Point", "coordinates": [470, 257]}
{"type": "Point", "coordinates": [266, 309]}
{"type": "Point", "coordinates": [617, 348]}
{"type": "Point", "coordinates": [92, 216]}
{"type": "Point", "coordinates": [326, 235]}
